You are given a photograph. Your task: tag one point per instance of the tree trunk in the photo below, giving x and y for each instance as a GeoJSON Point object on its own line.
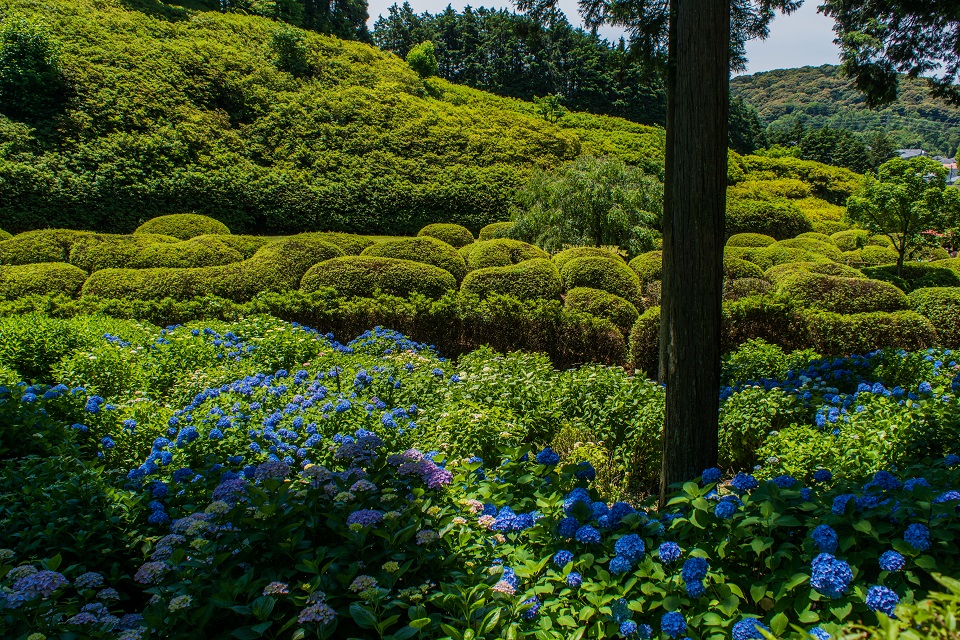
{"type": "Point", "coordinates": [694, 203]}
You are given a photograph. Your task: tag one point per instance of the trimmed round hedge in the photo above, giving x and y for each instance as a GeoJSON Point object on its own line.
{"type": "Point", "coordinates": [495, 230]}
{"type": "Point", "coordinates": [850, 240]}
{"type": "Point", "coordinates": [814, 235]}
{"type": "Point", "coordinates": [362, 276]}
{"type": "Point", "coordinates": [736, 268]}
{"type": "Point", "coordinates": [530, 279]}
{"type": "Point", "coordinates": [870, 255]}
{"type": "Point", "coordinates": [198, 252]}
{"type": "Point", "coordinates": [45, 278]}
{"type": "Point", "coordinates": [781, 271]}
{"type": "Point", "coordinates": [744, 288]}
{"type": "Point", "coordinates": [44, 245]}
{"type": "Point", "coordinates": [838, 334]}
{"type": "Point", "coordinates": [915, 275]}
{"type": "Point", "coordinates": [350, 243]}
{"type": "Point", "coordinates": [600, 272]}
{"type": "Point", "coordinates": [827, 249]}
{"type": "Point", "coordinates": [4, 235]}
{"type": "Point", "coordinates": [750, 240]}
{"type": "Point", "coordinates": [425, 249]}
{"type": "Point", "coordinates": [563, 257]}
{"type": "Point", "coordinates": [779, 219]}
{"type": "Point", "coordinates": [941, 306]}
{"type": "Point", "coordinates": [829, 227]}
{"type": "Point", "coordinates": [500, 253]}
{"type": "Point", "coordinates": [602, 304]}
{"type": "Point", "coordinates": [452, 234]}
{"type": "Point", "coordinates": [645, 342]}
{"type": "Point", "coordinates": [648, 266]}
{"type": "Point", "coordinates": [100, 251]}
{"type": "Point", "coordinates": [247, 246]}
{"type": "Point", "coordinates": [183, 226]}
{"type": "Point", "coordinates": [766, 257]}
{"type": "Point", "coordinates": [929, 254]}
{"type": "Point", "coordinates": [842, 295]}
{"type": "Point", "coordinates": [278, 266]}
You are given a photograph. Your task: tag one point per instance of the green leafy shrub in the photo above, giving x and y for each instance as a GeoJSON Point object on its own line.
{"type": "Point", "coordinates": [453, 234]}
{"type": "Point", "coordinates": [748, 417]}
{"type": "Point", "coordinates": [602, 304]}
{"type": "Point", "coordinates": [645, 343]}
{"type": "Point", "coordinates": [4, 235]}
{"type": "Point", "coordinates": [32, 82]}
{"type": "Point", "coordinates": [766, 257]}
{"type": "Point", "coordinates": [928, 254]}
{"type": "Point", "coordinates": [750, 240]}
{"type": "Point", "coordinates": [501, 252]}
{"type": "Point", "coordinates": [351, 244]}
{"type": "Point", "coordinates": [779, 272]}
{"type": "Point", "coordinates": [735, 268]}
{"type": "Point", "coordinates": [842, 295]}
{"type": "Point", "coordinates": [821, 237]}
{"type": "Point", "coordinates": [833, 333]}
{"type": "Point", "coordinates": [249, 245]}
{"type": "Point", "coordinates": [756, 360]}
{"type": "Point", "coordinates": [941, 306]}
{"type": "Point", "coordinates": [745, 287]}
{"type": "Point", "coordinates": [422, 58]}
{"type": "Point", "coordinates": [45, 278]}
{"type": "Point", "coordinates": [780, 219]}
{"type": "Point", "coordinates": [47, 245]}
{"type": "Point", "coordinates": [648, 266]}
{"type": "Point", "coordinates": [278, 266]}
{"type": "Point", "coordinates": [289, 47]}
{"type": "Point", "coordinates": [563, 257]}
{"type": "Point", "coordinates": [537, 278]}
{"type": "Point", "coordinates": [600, 272]}
{"type": "Point", "coordinates": [870, 256]}
{"type": "Point", "coordinates": [425, 249]}
{"type": "Point", "coordinates": [829, 227]}
{"type": "Point", "coordinates": [853, 239]}
{"type": "Point", "coordinates": [495, 230]}
{"type": "Point", "coordinates": [207, 252]}
{"type": "Point", "coordinates": [915, 275]}
{"type": "Point", "coordinates": [936, 617]}
{"type": "Point", "coordinates": [827, 249]}
{"type": "Point", "coordinates": [362, 276]}
{"type": "Point", "coordinates": [183, 226]}
{"type": "Point", "coordinates": [96, 251]}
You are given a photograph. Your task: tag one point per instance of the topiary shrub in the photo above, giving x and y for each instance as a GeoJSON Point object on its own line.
{"type": "Point", "coordinates": [538, 278]}
{"type": "Point", "coordinates": [500, 253]}
{"type": "Point", "coordinates": [452, 234]}
{"type": "Point", "coordinates": [495, 230]}
{"type": "Point", "coordinates": [602, 304]}
{"type": "Point", "coordinates": [45, 245]}
{"type": "Point", "coordinates": [837, 334]}
{"type": "Point", "coordinates": [94, 252]}
{"type": "Point", "coordinates": [842, 295]}
{"type": "Point", "coordinates": [278, 266]}
{"type": "Point", "coordinates": [645, 343]}
{"type": "Point", "coordinates": [850, 240]}
{"type": "Point", "coordinates": [941, 306]}
{"type": "Point", "coordinates": [425, 249]}
{"type": "Point", "coordinates": [648, 266]}
{"type": "Point", "coordinates": [45, 278]}
{"type": "Point", "coordinates": [750, 240]}
{"type": "Point", "coordinates": [766, 257]}
{"type": "Point", "coordinates": [4, 235]}
{"type": "Point", "coordinates": [826, 249]}
{"type": "Point", "coordinates": [565, 256]}
{"type": "Point", "coordinates": [953, 264]}
{"type": "Point", "coordinates": [780, 219]}
{"type": "Point", "coordinates": [600, 272]}
{"type": "Point", "coordinates": [183, 226]}
{"type": "Point", "coordinates": [739, 288]}
{"type": "Point", "coordinates": [247, 246]}
{"type": "Point", "coordinates": [915, 275]}
{"type": "Point", "coordinates": [779, 272]}
{"type": "Point", "coordinates": [735, 268]}
{"type": "Point", "coordinates": [829, 227]}
{"type": "Point", "coordinates": [929, 254]}
{"type": "Point", "coordinates": [820, 237]}
{"type": "Point", "coordinates": [870, 255]}
{"type": "Point", "coordinates": [197, 252]}
{"type": "Point", "coordinates": [363, 276]}
{"type": "Point", "coordinates": [350, 243]}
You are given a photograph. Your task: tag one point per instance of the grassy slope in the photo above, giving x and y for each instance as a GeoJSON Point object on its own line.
{"type": "Point", "coordinates": [820, 96]}
{"type": "Point", "coordinates": [179, 110]}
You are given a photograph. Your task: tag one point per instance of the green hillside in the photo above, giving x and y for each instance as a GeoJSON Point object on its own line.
{"type": "Point", "coordinates": [170, 109]}
{"type": "Point", "coordinates": [820, 96]}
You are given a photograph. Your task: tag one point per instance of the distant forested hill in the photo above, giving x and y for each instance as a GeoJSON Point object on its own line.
{"type": "Point", "coordinates": [820, 96]}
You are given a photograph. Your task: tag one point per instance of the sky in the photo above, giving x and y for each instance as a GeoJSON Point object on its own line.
{"type": "Point", "coordinates": [804, 38]}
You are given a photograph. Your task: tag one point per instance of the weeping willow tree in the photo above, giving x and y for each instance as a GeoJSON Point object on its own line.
{"type": "Point", "coordinates": [590, 202]}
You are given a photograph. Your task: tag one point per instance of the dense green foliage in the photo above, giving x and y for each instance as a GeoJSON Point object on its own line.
{"type": "Point", "coordinates": [501, 252]}
{"type": "Point", "coordinates": [187, 111]}
{"type": "Point", "coordinates": [537, 278]}
{"type": "Point", "coordinates": [424, 249]}
{"type": "Point", "coordinates": [820, 96]}
{"type": "Point", "coordinates": [365, 275]}
{"type": "Point", "coordinates": [32, 82]}
{"type": "Point", "coordinates": [453, 234]}
{"type": "Point", "coordinates": [182, 226]}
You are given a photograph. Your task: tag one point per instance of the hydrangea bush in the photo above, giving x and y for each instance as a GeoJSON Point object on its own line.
{"type": "Point", "coordinates": [261, 480]}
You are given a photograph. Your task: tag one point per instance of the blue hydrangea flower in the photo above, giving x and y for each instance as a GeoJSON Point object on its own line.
{"type": "Point", "coordinates": [749, 629]}
{"type": "Point", "coordinates": [673, 624]}
{"type": "Point", "coordinates": [587, 535]}
{"type": "Point", "coordinates": [711, 475]}
{"type": "Point", "coordinates": [744, 482]}
{"type": "Point", "coordinates": [882, 599]}
{"type": "Point", "coordinates": [574, 579]}
{"type": "Point", "coordinates": [825, 538]}
{"type": "Point", "coordinates": [694, 570]}
{"type": "Point", "coordinates": [585, 471]}
{"type": "Point", "coordinates": [840, 503]}
{"type": "Point", "coordinates": [725, 509]}
{"type": "Point", "coordinates": [645, 631]}
{"type": "Point", "coordinates": [631, 547]}
{"type": "Point", "coordinates": [819, 634]}
{"type": "Point", "coordinates": [891, 561]}
{"type": "Point", "coordinates": [561, 558]}
{"type": "Point", "coordinates": [918, 537]}
{"type": "Point", "coordinates": [695, 589]}
{"type": "Point", "coordinates": [784, 481]}
{"type": "Point", "coordinates": [577, 495]}
{"type": "Point", "coordinates": [531, 613]}
{"type": "Point", "coordinates": [669, 552]}
{"type": "Point", "coordinates": [925, 388]}
{"type": "Point", "coordinates": [619, 565]}
{"type": "Point", "coordinates": [628, 629]}
{"type": "Point", "coordinates": [951, 459]}
{"type": "Point", "coordinates": [548, 457]}
{"type": "Point", "coordinates": [568, 527]}
{"type": "Point", "coordinates": [822, 475]}
{"type": "Point", "coordinates": [829, 576]}
{"type": "Point", "coordinates": [913, 483]}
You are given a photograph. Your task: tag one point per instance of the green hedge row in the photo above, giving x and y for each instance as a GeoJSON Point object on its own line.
{"type": "Point", "coordinates": [426, 249]}
{"type": "Point", "coordinates": [183, 226]}
{"type": "Point", "coordinates": [364, 275]}
{"type": "Point", "coordinates": [501, 252]}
